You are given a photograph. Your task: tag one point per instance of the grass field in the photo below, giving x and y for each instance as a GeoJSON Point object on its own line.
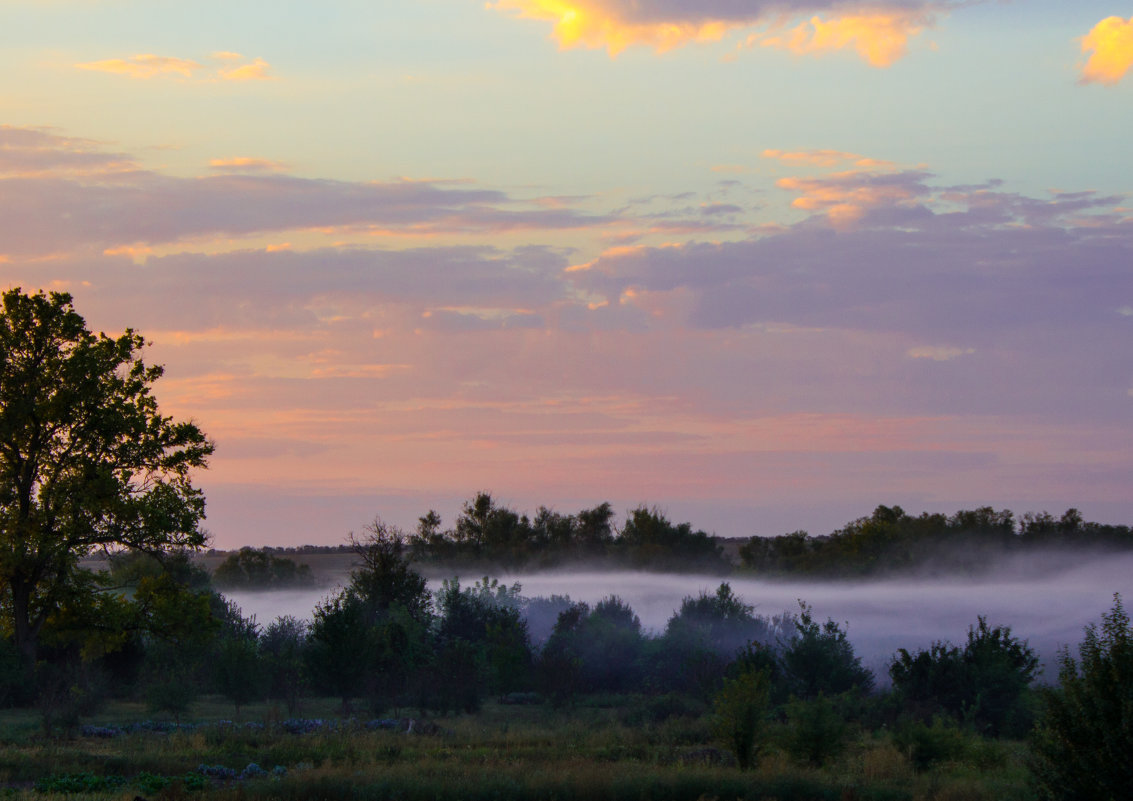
{"type": "Point", "coordinates": [601, 748]}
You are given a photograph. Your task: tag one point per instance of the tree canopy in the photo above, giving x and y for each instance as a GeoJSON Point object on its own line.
{"type": "Point", "coordinates": [87, 461]}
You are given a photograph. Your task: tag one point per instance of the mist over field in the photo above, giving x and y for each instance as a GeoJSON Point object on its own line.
{"type": "Point", "coordinates": [1046, 599]}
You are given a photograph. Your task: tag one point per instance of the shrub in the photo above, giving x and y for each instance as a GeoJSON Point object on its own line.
{"type": "Point", "coordinates": [816, 731]}
{"type": "Point", "coordinates": [1084, 738]}
{"type": "Point", "coordinates": [740, 712]}
{"type": "Point", "coordinates": [985, 683]}
{"type": "Point", "coordinates": [820, 659]}
{"type": "Point", "coordinates": [926, 745]}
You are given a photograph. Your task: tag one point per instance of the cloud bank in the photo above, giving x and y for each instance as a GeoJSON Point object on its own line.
{"type": "Point", "coordinates": [888, 337]}
{"type": "Point", "coordinates": [878, 31]}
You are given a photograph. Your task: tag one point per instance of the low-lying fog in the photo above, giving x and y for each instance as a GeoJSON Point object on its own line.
{"type": "Point", "coordinates": [1045, 603]}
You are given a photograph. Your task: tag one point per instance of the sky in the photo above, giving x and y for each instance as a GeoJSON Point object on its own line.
{"type": "Point", "coordinates": [761, 264]}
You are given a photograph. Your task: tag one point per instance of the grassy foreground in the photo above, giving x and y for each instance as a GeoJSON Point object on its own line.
{"type": "Point", "coordinates": [602, 748]}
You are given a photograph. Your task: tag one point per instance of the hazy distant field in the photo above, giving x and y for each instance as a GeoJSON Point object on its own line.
{"type": "Point", "coordinates": [1041, 602]}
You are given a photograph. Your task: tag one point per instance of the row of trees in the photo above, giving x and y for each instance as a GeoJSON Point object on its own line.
{"type": "Point", "coordinates": [486, 533]}
{"type": "Point", "coordinates": [892, 541]}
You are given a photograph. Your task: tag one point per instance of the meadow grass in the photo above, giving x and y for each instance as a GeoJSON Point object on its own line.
{"type": "Point", "coordinates": [585, 752]}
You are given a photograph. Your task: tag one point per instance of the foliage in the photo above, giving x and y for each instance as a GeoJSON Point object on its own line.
{"type": "Point", "coordinates": [252, 569]}
{"type": "Point", "coordinates": [820, 659]}
{"type": "Point", "coordinates": [283, 645]}
{"type": "Point", "coordinates": [342, 645]}
{"type": "Point", "coordinates": [740, 709]}
{"type": "Point", "coordinates": [817, 731]}
{"type": "Point", "coordinates": [371, 638]}
{"type": "Point", "coordinates": [385, 577]}
{"type": "Point", "coordinates": [86, 459]}
{"type": "Point", "coordinates": [487, 617]}
{"type": "Point", "coordinates": [983, 684]}
{"type": "Point", "coordinates": [892, 541]}
{"type": "Point", "coordinates": [929, 744]}
{"type": "Point", "coordinates": [649, 538]}
{"type": "Point", "coordinates": [1085, 734]}
{"type": "Point", "coordinates": [595, 650]}
{"type": "Point", "coordinates": [237, 669]}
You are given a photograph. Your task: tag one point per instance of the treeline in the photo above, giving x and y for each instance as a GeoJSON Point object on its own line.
{"type": "Point", "coordinates": [487, 534]}
{"type": "Point", "coordinates": [892, 541]}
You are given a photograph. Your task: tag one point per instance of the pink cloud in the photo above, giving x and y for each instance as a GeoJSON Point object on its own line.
{"type": "Point", "coordinates": [879, 31]}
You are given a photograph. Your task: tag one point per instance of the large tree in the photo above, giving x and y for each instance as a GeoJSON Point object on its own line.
{"type": "Point", "coordinates": [87, 462]}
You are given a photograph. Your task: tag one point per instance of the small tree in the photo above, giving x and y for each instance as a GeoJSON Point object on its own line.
{"type": "Point", "coordinates": [740, 712]}
{"type": "Point", "coordinates": [282, 645]}
{"type": "Point", "coordinates": [820, 659]}
{"type": "Point", "coordinates": [238, 672]}
{"type": "Point", "coordinates": [1084, 738]}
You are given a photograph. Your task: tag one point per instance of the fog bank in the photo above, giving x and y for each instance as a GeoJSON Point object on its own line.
{"type": "Point", "coordinates": [1047, 607]}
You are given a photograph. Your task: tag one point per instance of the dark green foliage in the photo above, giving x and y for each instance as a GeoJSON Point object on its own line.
{"type": "Point", "coordinates": [817, 731]}
{"type": "Point", "coordinates": [16, 686]}
{"type": "Point", "coordinates": [171, 694]}
{"type": "Point", "coordinates": [486, 617]}
{"type": "Point", "coordinates": [283, 646]}
{"type": "Point", "coordinates": [1084, 738]}
{"type": "Point", "coordinates": [372, 638]}
{"type": "Point", "coordinates": [342, 648]}
{"type": "Point", "coordinates": [983, 684]}
{"type": "Point", "coordinates": [739, 715]}
{"type": "Point", "coordinates": [723, 623]}
{"type": "Point", "coordinates": [237, 670]}
{"type": "Point", "coordinates": [891, 541]}
{"type": "Point", "coordinates": [820, 659]}
{"type": "Point", "coordinates": [704, 636]}
{"type": "Point", "coordinates": [927, 745]}
{"type": "Point", "coordinates": [78, 427]}
{"type": "Point", "coordinates": [251, 569]}
{"type": "Point", "coordinates": [129, 567]}
{"type": "Point", "coordinates": [487, 534]}
{"type": "Point", "coordinates": [599, 650]}
{"type": "Point", "coordinates": [456, 677]}
{"type": "Point", "coordinates": [385, 577]}
{"type": "Point", "coordinates": [66, 690]}
{"type": "Point", "coordinates": [648, 538]}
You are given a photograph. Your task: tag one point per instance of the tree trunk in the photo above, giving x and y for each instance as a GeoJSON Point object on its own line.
{"type": "Point", "coordinates": [25, 634]}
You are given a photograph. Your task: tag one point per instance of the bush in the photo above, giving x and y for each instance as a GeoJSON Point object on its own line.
{"type": "Point", "coordinates": [820, 659]}
{"type": "Point", "coordinates": [984, 684]}
{"type": "Point", "coordinates": [1084, 738]}
{"type": "Point", "coordinates": [816, 731]}
{"type": "Point", "coordinates": [926, 745]}
{"type": "Point", "coordinates": [740, 712]}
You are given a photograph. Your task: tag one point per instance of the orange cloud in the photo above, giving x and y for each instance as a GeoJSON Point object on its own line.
{"type": "Point", "coordinates": [246, 164]}
{"type": "Point", "coordinates": [1110, 44]}
{"type": "Point", "coordinates": [149, 65]}
{"type": "Point", "coordinates": [846, 196]}
{"type": "Point", "coordinates": [253, 71]}
{"type": "Point", "coordinates": [880, 39]}
{"type": "Point", "coordinates": [880, 36]}
{"type": "Point", "coordinates": [585, 23]}
{"type": "Point", "coordinates": [146, 65]}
